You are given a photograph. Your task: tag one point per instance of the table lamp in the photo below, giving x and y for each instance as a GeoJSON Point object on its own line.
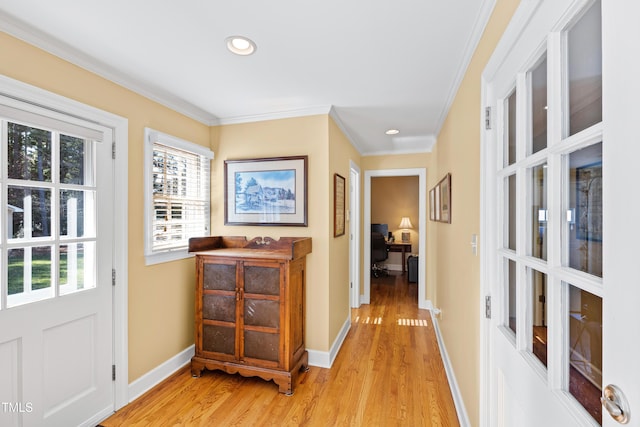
{"type": "Point", "coordinates": [405, 224]}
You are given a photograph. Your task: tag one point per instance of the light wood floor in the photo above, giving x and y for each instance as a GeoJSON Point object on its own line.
{"type": "Point", "coordinates": [388, 373]}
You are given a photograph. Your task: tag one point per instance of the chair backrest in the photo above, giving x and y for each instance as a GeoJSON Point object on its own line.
{"type": "Point", "coordinates": [378, 247]}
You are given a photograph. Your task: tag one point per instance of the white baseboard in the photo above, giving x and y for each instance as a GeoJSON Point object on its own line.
{"type": "Point", "coordinates": [98, 417]}
{"type": "Point", "coordinates": [160, 373]}
{"type": "Point", "coordinates": [323, 359]}
{"type": "Point", "coordinates": [461, 410]}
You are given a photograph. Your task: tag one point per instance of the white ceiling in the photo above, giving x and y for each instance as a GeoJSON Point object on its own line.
{"type": "Point", "coordinates": [372, 64]}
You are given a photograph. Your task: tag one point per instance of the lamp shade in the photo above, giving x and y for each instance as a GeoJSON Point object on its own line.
{"type": "Point", "coordinates": [405, 223]}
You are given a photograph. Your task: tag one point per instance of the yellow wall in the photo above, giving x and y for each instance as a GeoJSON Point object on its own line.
{"type": "Point", "coordinates": [393, 197]}
{"type": "Point", "coordinates": [340, 152]}
{"type": "Point", "coordinates": [160, 297]}
{"type": "Point", "coordinates": [458, 270]}
{"type": "Point", "coordinates": [329, 152]}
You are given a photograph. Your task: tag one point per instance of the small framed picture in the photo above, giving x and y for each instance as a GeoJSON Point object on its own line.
{"type": "Point", "coordinates": [338, 205]}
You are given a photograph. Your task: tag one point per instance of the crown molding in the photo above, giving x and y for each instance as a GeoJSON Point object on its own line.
{"type": "Point", "coordinates": [476, 35]}
{"type": "Point", "coordinates": [276, 115]}
{"type": "Point", "coordinates": [23, 31]}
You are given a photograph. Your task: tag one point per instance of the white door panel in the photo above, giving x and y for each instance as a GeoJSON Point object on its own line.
{"type": "Point", "coordinates": [56, 354]}
{"type": "Point", "coordinates": [559, 257]}
{"type": "Point", "coordinates": [621, 91]}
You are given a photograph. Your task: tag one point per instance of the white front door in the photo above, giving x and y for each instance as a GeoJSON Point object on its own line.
{"type": "Point", "coordinates": [559, 258]}
{"type": "Point", "coordinates": [56, 310]}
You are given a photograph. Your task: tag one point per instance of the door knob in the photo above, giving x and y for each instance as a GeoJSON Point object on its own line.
{"type": "Point", "coordinates": [615, 403]}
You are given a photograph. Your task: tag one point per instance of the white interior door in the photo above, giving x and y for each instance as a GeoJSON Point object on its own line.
{"type": "Point", "coordinates": [559, 225]}
{"type": "Point", "coordinates": [56, 311]}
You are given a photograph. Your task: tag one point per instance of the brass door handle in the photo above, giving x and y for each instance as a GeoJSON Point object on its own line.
{"type": "Point", "coordinates": [615, 403]}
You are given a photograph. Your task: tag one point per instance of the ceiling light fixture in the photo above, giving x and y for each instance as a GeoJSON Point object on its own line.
{"type": "Point", "coordinates": [392, 132]}
{"type": "Point", "coordinates": [240, 45]}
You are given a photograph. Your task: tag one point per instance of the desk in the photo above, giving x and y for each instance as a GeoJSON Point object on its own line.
{"type": "Point", "coordinates": [400, 247]}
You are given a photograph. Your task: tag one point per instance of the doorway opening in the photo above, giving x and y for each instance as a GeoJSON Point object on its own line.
{"type": "Point", "coordinates": [418, 247]}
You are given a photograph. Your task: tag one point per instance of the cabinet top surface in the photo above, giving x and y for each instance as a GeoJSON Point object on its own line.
{"type": "Point", "coordinates": [245, 253]}
{"type": "Point", "coordinates": [286, 248]}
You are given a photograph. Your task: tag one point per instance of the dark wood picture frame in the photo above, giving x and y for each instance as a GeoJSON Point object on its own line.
{"type": "Point", "coordinates": [445, 199]}
{"type": "Point", "coordinates": [339, 197]}
{"type": "Point", "coordinates": [440, 201]}
{"type": "Point", "coordinates": [266, 191]}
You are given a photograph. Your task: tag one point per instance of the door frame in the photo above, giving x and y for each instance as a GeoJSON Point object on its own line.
{"type": "Point", "coordinates": [354, 235]}
{"type": "Point", "coordinates": [421, 173]}
{"type": "Point", "coordinates": [120, 127]}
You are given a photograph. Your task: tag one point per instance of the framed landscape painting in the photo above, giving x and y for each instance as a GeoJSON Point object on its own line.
{"type": "Point", "coordinates": [268, 191]}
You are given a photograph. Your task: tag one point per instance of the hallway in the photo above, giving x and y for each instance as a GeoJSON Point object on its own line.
{"type": "Point", "coordinates": [387, 373]}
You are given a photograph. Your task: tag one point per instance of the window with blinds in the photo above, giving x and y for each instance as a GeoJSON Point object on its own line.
{"type": "Point", "coordinates": [177, 193]}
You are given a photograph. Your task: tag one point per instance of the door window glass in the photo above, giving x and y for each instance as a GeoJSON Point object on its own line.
{"type": "Point", "coordinates": [50, 204]}
{"type": "Point", "coordinates": [584, 215]}
{"type": "Point", "coordinates": [510, 131]}
{"type": "Point", "coordinates": [585, 350]}
{"type": "Point", "coordinates": [512, 295]}
{"type": "Point", "coordinates": [539, 107]}
{"type": "Point", "coordinates": [584, 61]}
{"type": "Point", "coordinates": [511, 214]}
{"type": "Point", "coordinates": [539, 212]}
{"type": "Point", "coordinates": [539, 314]}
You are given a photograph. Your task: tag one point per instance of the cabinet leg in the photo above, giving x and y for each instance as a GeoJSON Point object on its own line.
{"type": "Point", "coordinates": [196, 369]}
{"type": "Point", "coordinates": [285, 386]}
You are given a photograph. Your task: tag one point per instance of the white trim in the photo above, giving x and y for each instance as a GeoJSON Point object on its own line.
{"type": "Point", "coordinates": [95, 419]}
{"type": "Point", "coordinates": [120, 128]}
{"type": "Point", "coordinates": [167, 256]}
{"type": "Point", "coordinates": [161, 372]}
{"type": "Point", "coordinates": [276, 115]}
{"type": "Point", "coordinates": [516, 26]}
{"type": "Point", "coordinates": [482, 19]}
{"type": "Point", "coordinates": [121, 262]}
{"type": "Point", "coordinates": [422, 226]}
{"type": "Point", "coordinates": [325, 359]}
{"type": "Point", "coordinates": [333, 113]}
{"type": "Point", "coordinates": [354, 235]}
{"type": "Point", "coordinates": [151, 137]}
{"type": "Point", "coordinates": [486, 190]}
{"type": "Point", "coordinates": [461, 410]}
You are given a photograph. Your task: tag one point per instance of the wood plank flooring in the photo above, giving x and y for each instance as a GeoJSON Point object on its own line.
{"type": "Point", "coordinates": [388, 373]}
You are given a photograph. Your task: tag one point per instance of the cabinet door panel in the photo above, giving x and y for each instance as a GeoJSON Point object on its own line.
{"type": "Point", "coordinates": [219, 277]}
{"type": "Point", "coordinates": [219, 307]}
{"type": "Point", "coordinates": [262, 280]}
{"type": "Point", "coordinates": [261, 345]}
{"type": "Point", "coordinates": [262, 313]}
{"type": "Point", "coordinates": [219, 339]}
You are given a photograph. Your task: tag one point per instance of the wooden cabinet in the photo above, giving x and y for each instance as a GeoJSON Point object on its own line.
{"type": "Point", "coordinates": [250, 307]}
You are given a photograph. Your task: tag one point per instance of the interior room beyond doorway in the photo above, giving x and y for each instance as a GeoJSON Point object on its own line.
{"type": "Point", "coordinates": [394, 198]}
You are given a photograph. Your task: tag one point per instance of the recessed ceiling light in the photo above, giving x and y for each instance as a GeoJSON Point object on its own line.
{"type": "Point", "coordinates": [392, 132]}
{"type": "Point", "coordinates": [240, 45]}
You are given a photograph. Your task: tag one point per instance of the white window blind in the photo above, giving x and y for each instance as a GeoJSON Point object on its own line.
{"type": "Point", "coordinates": [178, 205]}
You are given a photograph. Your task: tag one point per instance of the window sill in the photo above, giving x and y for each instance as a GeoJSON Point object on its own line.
{"type": "Point", "coordinates": [159, 258]}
